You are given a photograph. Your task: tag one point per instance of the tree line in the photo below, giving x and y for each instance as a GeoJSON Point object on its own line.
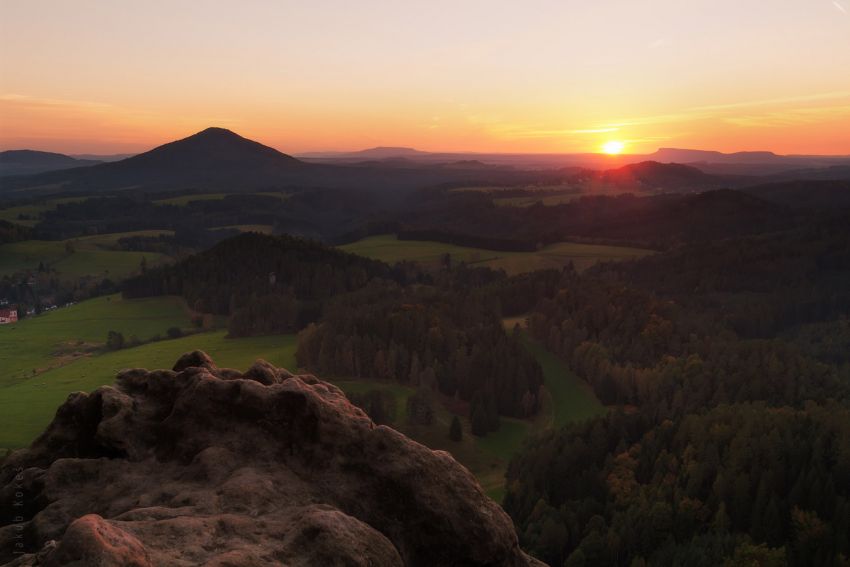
{"type": "Point", "coordinates": [429, 337]}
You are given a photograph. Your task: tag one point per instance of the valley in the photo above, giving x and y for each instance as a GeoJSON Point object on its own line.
{"type": "Point", "coordinates": [85, 256]}
{"type": "Point", "coordinates": [525, 332]}
{"type": "Point", "coordinates": [64, 351]}
{"type": "Point", "coordinates": [425, 284]}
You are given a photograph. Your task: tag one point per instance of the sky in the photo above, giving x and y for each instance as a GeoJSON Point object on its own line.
{"type": "Point", "coordinates": [106, 76]}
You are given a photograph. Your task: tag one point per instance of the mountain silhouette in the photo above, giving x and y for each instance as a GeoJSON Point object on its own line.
{"type": "Point", "coordinates": [215, 158]}
{"type": "Point", "coordinates": [26, 162]}
{"type": "Point", "coordinates": [694, 156]}
{"type": "Point", "coordinates": [651, 175]}
{"type": "Point", "coordinates": [214, 154]}
{"type": "Point", "coordinates": [216, 148]}
{"type": "Point", "coordinates": [219, 159]}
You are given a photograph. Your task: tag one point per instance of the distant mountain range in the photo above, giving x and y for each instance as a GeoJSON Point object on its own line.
{"type": "Point", "coordinates": [381, 152]}
{"type": "Point", "coordinates": [27, 162]}
{"type": "Point", "coordinates": [739, 163]}
{"type": "Point", "coordinates": [218, 159]}
{"type": "Point", "coordinates": [102, 157]}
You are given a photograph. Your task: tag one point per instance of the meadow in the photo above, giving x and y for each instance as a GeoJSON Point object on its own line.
{"type": "Point", "coordinates": [570, 399]}
{"type": "Point", "coordinates": [30, 215]}
{"type": "Point", "coordinates": [85, 256]}
{"type": "Point", "coordinates": [184, 200]}
{"type": "Point", "coordinates": [549, 195]}
{"type": "Point", "coordinates": [390, 249]}
{"type": "Point", "coordinates": [496, 189]}
{"type": "Point", "coordinates": [55, 338]}
{"type": "Point", "coordinates": [26, 407]}
{"type": "Point", "coordinates": [261, 228]}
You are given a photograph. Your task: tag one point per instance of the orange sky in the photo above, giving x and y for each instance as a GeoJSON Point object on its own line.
{"type": "Point", "coordinates": [97, 76]}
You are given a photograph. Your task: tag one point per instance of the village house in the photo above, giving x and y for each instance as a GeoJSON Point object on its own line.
{"type": "Point", "coordinates": [8, 315]}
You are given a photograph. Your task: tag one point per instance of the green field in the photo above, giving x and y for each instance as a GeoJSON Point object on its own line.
{"type": "Point", "coordinates": [261, 228]}
{"type": "Point", "coordinates": [496, 189]}
{"type": "Point", "coordinates": [184, 200]}
{"type": "Point", "coordinates": [91, 256]}
{"type": "Point", "coordinates": [37, 344]}
{"type": "Point", "coordinates": [390, 249]}
{"type": "Point", "coordinates": [27, 407]}
{"type": "Point", "coordinates": [570, 398]}
{"type": "Point", "coordinates": [33, 211]}
{"type": "Point", "coordinates": [549, 195]}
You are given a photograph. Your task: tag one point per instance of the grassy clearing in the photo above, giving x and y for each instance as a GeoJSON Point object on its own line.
{"type": "Point", "coordinates": [572, 399]}
{"type": "Point", "coordinates": [486, 457]}
{"type": "Point", "coordinates": [549, 195]}
{"type": "Point", "coordinates": [184, 200]}
{"type": "Point", "coordinates": [27, 407]}
{"type": "Point", "coordinates": [91, 256]}
{"type": "Point", "coordinates": [36, 345]}
{"type": "Point", "coordinates": [261, 228]}
{"type": "Point", "coordinates": [33, 211]}
{"type": "Point", "coordinates": [567, 399]}
{"type": "Point", "coordinates": [496, 189]}
{"type": "Point", "coordinates": [390, 249]}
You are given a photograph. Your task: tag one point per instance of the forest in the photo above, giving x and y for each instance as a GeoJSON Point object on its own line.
{"type": "Point", "coordinates": [728, 438]}
{"type": "Point", "coordinates": [436, 339]}
{"type": "Point", "coordinates": [362, 318]}
{"type": "Point", "coordinates": [242, 270]}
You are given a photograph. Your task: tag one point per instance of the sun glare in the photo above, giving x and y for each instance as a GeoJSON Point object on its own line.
{"type": "Point", "coordinates": [613, 147]}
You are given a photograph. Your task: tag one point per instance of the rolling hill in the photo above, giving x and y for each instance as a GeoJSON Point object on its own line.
{"type": "Point", "coordinates": [217, 158]}
{"type": "Point", "coordinates": [27, 162]}
{"type": "Point", "coordinates": [214, 156]}
{"type": "Point", "coordinates": [655, 176]}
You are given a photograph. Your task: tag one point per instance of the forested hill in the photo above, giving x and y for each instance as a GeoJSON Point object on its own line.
{"type": "Point", "coordinates": [738, 485]}
{"type": "Point", "coordinates": [239, 271]}
{"type": "Point", "coordinates": [763, 284]}
{"type": "Point", "coordinates": [437, 339]}
{"type": "Point", "coordinates": [660, 222]}
{"type": "Point", "coordinates": [730, 439]}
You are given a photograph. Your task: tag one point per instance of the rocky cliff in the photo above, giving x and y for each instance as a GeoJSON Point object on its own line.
{"type": "Point", "coordinates": [202, 465]}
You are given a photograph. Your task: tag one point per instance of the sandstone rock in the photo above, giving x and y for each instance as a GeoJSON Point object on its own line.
{"type": "Point", "coordinates": [207, 466]}
{"type": "Point", "coordinates": [91, 540]}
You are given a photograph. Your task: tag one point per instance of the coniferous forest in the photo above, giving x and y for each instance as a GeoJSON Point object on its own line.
{"type": "Point", "coordinates": [728, 437]}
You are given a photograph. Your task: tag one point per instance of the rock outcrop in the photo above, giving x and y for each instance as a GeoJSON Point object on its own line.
{"type": "Point", "coordinates": [202, 465]}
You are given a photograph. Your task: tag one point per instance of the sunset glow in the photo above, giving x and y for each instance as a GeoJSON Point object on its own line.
{"type": "Point", "coordinates": [540, 76]}
{"type": "Point", "coordinates": [613, 147]}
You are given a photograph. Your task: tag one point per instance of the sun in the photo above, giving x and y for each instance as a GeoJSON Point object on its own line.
{"type": "Point", "coordinates": [613, 147]}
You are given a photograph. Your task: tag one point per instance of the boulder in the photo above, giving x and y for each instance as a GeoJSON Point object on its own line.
{"type": "Point", "coordinates": [206, 466]}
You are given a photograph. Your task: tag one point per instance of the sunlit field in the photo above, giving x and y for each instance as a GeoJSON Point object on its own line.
{"type": "Point", "coordinates": [388, 248]}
